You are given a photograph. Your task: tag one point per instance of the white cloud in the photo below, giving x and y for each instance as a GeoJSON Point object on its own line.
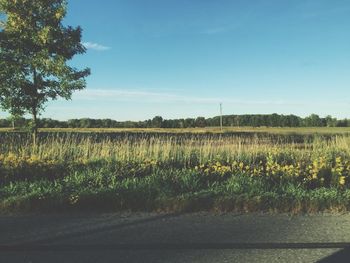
{"type": "Point", "coordinates": [160, 97]}
{"type": "Point", "coordinates": [95, 46]}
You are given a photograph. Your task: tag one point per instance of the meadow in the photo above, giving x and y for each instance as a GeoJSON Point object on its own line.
{"type": "Point", "coordinates": [253, 169]}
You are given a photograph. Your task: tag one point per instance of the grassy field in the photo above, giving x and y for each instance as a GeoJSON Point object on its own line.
{"type": "Point", "coordinates": [295, 130]}
{"type": "Point", "coordinates": [253, 169]}
{"type": "Point", "coordinates": [216, 130]}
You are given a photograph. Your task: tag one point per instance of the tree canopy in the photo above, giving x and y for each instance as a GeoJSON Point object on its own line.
{"type": "Point", "coordinates": [247, 120]}
{"type": "Point", "coordinates": [35, 47]}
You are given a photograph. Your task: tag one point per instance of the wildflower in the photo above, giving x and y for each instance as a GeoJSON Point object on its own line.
{"type": "Point", "coordinates": [342, 180]}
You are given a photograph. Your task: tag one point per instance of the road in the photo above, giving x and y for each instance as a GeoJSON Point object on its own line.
{"type": "Point", "coordinates": [196, 237]}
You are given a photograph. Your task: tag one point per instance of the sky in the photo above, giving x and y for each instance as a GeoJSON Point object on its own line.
{"type": "Point", "coordinates": [181, 58]}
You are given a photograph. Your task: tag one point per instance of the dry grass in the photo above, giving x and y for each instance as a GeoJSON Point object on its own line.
{"type": "Point", "coordinates": [271, 130]}
{"type": "Point", "coordinates": [176, 172]}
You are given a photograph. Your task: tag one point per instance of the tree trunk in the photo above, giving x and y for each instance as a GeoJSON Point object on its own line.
{"type": "Point", "coordinates": [35, 127]}
{"type": "Point", "coordinates": [34, 109]}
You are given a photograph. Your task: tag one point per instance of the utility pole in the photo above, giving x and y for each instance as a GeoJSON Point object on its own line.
{"type": "Point", "coordinates": [221, 116]}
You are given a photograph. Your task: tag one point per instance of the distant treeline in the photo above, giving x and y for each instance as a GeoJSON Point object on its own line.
{"type": "Point", "coordinates": [253, 120]}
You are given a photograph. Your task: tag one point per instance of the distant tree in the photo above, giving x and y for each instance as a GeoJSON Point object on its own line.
{"type": "Point", "coordinates": [34, 50]}
{"type": "Point", "coordinates": [313, 121]}
{"type": "Point", "coordinates": [189, 123]}
{"type": "Point", "coordinates": [200, 122]}
{"type": "Point", "coordinates": [254, 120]}
{"type": "Point", "coordinates": [4, 123]}
{"type": "Point", "coordinates": [157, 122]}
{"type": "Point", "coordinates": [85, 123]}
{"type": "Point", "coordinates": [107, 123]}
{"type": "Point", "coordinates": [15, 116]}
{"type": "Point", "coordinates": [295, 121]}
{"type": "Point", "coordinates": [73, 123]}
{"type": "Point", "coordinates": [342, 123]}
{"type": "Point", "coordinates": [274, 120]}
{"type": "Point", "coordinates": [331, 122]}
{"type": "Point", "coordinates": [236, 121]}
{"type": "Point", "coordinates": [16, 113]}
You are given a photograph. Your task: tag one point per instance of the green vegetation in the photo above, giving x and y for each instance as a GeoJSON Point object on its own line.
{"type": "Point", "coordinates": [181, 172]}
{"type": "Point", "coordinates": [35, 48]}
{"type": "Point", "coordinates": [181, 168]}
{"type": "Point", "coordinates": [248, 120]}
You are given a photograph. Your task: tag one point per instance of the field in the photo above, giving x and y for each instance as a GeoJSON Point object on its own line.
{"type": "Point", "coordinates": [240, 169]}
{"type": "Point", "coordinates": [230, 130]}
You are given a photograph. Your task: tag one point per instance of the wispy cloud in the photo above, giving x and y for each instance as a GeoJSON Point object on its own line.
{"type": "Point", "coordinates": [160, 97]}
{"type": "Point", "coordinates": [95, 46]}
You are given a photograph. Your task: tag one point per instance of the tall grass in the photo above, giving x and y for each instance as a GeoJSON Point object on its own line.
{"type": "Point", "coordinates": [166, 148]}
{"type": "Point", "coordinates": [186, 150]}
{"type": "Point", "coordinates": [139, 168]}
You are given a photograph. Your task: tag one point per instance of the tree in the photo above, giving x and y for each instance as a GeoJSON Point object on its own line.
{"type": "Point", "coordinates": [34, 50]}
{"type": "Point", "coordinates": [16, 113]}
{"type": "Point", "coordinates": [200, 122]}
{"type": "Point", "coordinates": [189, 123]}
{"type": "Point", "coordinates": [330, 121]}
{"type": "Point", "coordinates": [157, 122]}
{"type": "Point", "coordinates": [14, 117]}
{"type": "Point", "coordinates": [313, 121]}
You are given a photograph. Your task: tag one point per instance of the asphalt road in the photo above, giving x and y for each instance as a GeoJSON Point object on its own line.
{"type": "Point", "coordinates": [198, 237]}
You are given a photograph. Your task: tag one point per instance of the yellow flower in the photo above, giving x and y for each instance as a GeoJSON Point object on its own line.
{"type": "Point", "coordinates": [33, 159]}
{"type": "Point", "coordinates": [342, 180]}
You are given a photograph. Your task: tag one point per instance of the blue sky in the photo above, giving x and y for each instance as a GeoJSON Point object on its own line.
{"type": "Point", "coordinates": [181, 58]}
